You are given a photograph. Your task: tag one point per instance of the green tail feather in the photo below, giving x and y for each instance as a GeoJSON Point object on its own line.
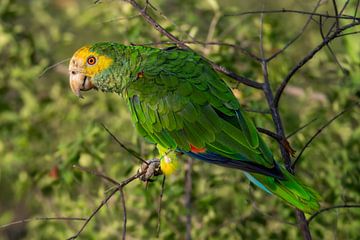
{"type": "Point", "coordinates": [292, 191]}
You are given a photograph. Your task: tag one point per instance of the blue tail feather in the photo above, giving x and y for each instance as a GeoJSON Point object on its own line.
{"type": "Point", "coordinates": [247, 166]}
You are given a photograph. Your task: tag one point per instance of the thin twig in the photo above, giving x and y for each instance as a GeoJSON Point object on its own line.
{"type": "Point", "coordinates": [300, 128]}
{"type": "Point", "coordinates": [317, 134]}
{"type": "Point", "coordinates": [160, 207]}
{"type": "Point", "coordinates": [291, 11]}
{"type": "Point", "coordinates": [169, 20]}
{"type": "Point", "coordinates": [41, 219]}
{"type": "Point", "coordinates": [329, 37]}
{"type": "Point", "coordinates": [329, 47]}
{"type": "Point", "coordinates": [188, 190]}
{"type": "Point", "coordinates": [308, 57]}
{"type": "Point", "coordinates": [232, 45]}
{"type": "Point", "coordinates": [104, 201]}
{"type": "Point", "coordinates": [256, 110]}
{"type": "Point", "coordinates": [334, 25]}
{"type": "Point", "coordinates": [96, 173]}
{"type": "Point", "coordinates": [122, 196]}
{"type": "Point", "coordinates": [331, 208]}
{"type": "Point", "coordinates": [261, 111]}
{"type": "Point", "coordinates": [132, 152]}
{"type": "Point", "coordinates": [118, 19]}
{"type": "Point", "coordinates": [262, 54]}
{"type": "Point", "coordinates": [273, 217]}
{"type": "Point", "coordinates": [336, 13]}
{"type": "Point", "coordinates": [349, 33]}
{"type": "Point", "coordinates": [297, 36]}
{"type": "Point", "coordinates": [356, 8]}
{"type": "Point", "coordinates": [235, 46]}
{"type": "Point", "coordinates": [212, 27]}
{"type": "Point", "coordinates": [51, 67]}
{"type": "Point", "coordinates": [269, 133]}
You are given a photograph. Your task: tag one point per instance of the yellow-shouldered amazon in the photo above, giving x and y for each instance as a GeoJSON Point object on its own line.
{"type": "Point", "coordinates": [180, 103]}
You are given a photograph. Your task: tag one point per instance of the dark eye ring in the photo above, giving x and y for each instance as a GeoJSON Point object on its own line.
{"type": "Point", "coordinates": [91, 60]}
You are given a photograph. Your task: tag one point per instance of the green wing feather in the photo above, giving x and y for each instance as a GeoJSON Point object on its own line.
{"type": "Point", "coordinates": [189, 96]}
{"type": "Point", "coordinates": [179, 101]}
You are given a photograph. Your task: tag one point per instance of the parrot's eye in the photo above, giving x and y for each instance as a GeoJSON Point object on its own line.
{"type": "Point", "coordinates": [91, 60]}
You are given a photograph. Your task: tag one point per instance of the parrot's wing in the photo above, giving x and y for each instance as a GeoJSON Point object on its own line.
{"type": "Point", "coordinates": [180, 102]}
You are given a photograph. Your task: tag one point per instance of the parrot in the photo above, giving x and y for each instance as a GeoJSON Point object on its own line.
{"type": "Point", "coordinates": [180, 103]}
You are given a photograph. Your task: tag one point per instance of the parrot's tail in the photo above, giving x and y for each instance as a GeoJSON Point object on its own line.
{"type": "Point", "coordinates": [290, 189]}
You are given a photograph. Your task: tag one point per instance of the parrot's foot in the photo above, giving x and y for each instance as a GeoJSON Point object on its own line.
{"type": "Point", "coordinates": [151, 169]}
{"type": "Point", "coordinates": [288, 147]}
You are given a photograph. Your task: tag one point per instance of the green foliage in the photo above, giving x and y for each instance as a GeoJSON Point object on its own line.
{"type": "Point", "coordinates": [45, 129]}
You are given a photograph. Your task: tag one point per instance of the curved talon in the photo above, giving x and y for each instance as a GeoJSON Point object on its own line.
{"type": "Point", "coordinates": [152, 168]}
{"type": "Point", "coordinates": [288, 147]}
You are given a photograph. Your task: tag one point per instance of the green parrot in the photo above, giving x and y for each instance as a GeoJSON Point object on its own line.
{"type": "Point", "coordinates": [180, 103]}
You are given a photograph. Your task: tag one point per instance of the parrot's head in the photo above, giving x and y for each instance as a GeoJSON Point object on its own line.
{"type": "Point", "coordinates": [87, 64]}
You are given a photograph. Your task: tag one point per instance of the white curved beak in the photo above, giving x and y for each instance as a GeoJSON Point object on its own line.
{"type": "Point", "coordinates": [79, 82]}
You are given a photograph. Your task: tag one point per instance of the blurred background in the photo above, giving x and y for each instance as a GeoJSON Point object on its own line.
{"type": "Point", "coordinates": [45, 129]}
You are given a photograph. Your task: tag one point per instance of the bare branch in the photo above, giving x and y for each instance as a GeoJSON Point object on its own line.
{"type": "Point", "coordinates": [235, 46]}
{"type": "Point", "coordinates": [269, 133]}
{"type": "Point", "coordinates": [256, 209]}
{"type": "Point", "coordinates": [261, 37]}
{"type": "Point", "coordinates": [356, 9]}
{"type": "Point", "coordinates": [104, 201]}
{"type": "Point", "coordinates": [41, 219]}
{"type": "Point", "coordinates": [160, 207]}
{"type": "Point", "coordinates": [329, 47]}
{"type": "Point", "coordinates": [317, 134]}
{"type": "Point", "coordinates": [345, 17]}
{"type": "Point", "coordinates": [334, 25]}
{"type": "Point", "coordinates": [331, 208]}
{"type": "Point", "coordinates": [212, 27]}
{"type": "Point", "coordinates": [232, 45]}
{"type": "Point", "coordinates": [96, 173]}
{"type": "Point", "coordinates": [122, 196]}
{"type": "Point", "coordinates": [233, 75]}
{"type": "Point", "coordinates": [51, 67]}
{"type": "Point", "coordinates": [349, 33]}
{"type": "Point", "coordinates": [118, 19]}
{"type": "Point", "coordinates": [188, 190]}
{"type": "Point", "coordinates": [157, 26]}
{"type": "Point", "coordinates": [271, 216]}
{"type": "Point", "coordinates": [132, 152]}
{"type": "Point", "coordinates": [336, 13]}
{"type": "Point", "coordinates": [308, 57]}
{"type": "Point", "coordinates": [274, 112]}
{"type": "Point", "coordinates": [169, 20]}
{"type": "Point", "coordinates": [297, 36]}
{"type": "Point", "coordinates": [261, 111]}
{"type": "Point", "coordinates": [303, 225]}
{"type": "Point", "coordinates": [269, 96]}
{"type": "Point", "coordinates": [301, 128]}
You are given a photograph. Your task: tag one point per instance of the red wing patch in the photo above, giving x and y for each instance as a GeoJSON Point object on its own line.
{"type": "Point", "coordinates": [197, 150]}
{"type": "Point", "coordinates": [140, 75]}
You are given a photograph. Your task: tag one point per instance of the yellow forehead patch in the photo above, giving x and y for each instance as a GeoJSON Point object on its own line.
{"type": "Point", "coordinates": [102, 62]}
